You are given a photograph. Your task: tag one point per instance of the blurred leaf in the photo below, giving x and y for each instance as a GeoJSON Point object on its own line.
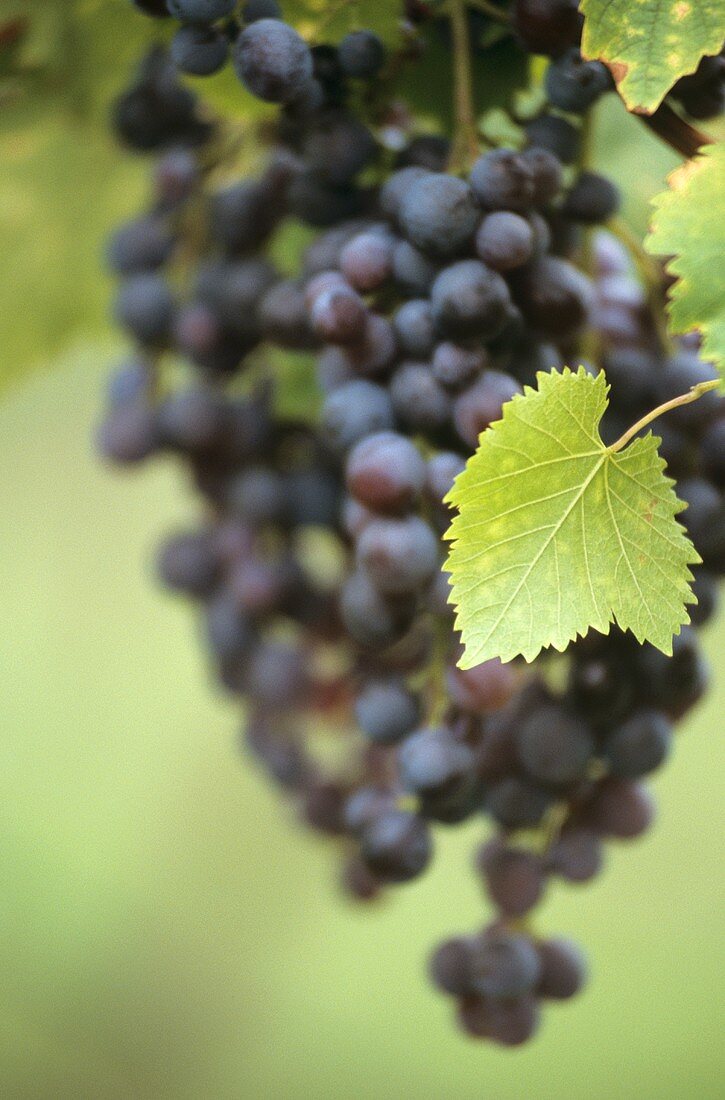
{"type": "Point", "coordinates": [650, 44]}
{"type": "Point", "coordinates": [689, 225]}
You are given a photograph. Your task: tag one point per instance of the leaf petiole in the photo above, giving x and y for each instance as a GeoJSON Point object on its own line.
{"type": "Point", "coordinates": [684, 399]}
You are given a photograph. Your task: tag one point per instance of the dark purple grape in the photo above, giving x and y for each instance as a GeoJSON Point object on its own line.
{"type": "Point", "coordinates": [547, 174]}
{"type": "Point", "coordinates": [484, 688]}
{"type": "Point", "coordinates": [517, 803]}
{"type": "Point", "coordinates": [563, 969]}
{"type": "Point", "coordinates": [372, 620]}
{"type": "Point", "coordinates": [639, 745]}
{"type": "Point", "coordinates": [396, 846]}
{"type": "Point", "coordinates": [418, 399]}
{"type": "Point", "coordinates": [188, 563]}
{"type": "Point", "coordinates": [386, 711]}
{"type": "Point", "coordinates": [555, 134]}
{"type": "Point", "coordinates": [145, 306]}
{"type": "Point", "coordinates": [619, 808]}
{"type": "Point", "coordinates": [414, 328]}
{"type": "Point", "coordinates": [504, 240]}
{"type": "Point", "coordinates": [573, 84]}
{"type": "Point", "coordinates": [443, 469]}
{"type": "Point", "coordinates": [399, 555]}
{"type": "Point", "coordinates": [433, 762]}
{"type": "Point", "coordinates": [450, 966]}
{"type": "Point", "coordinates": [141, 245]}
{"type": "Point", "coordinates": [367, 260]}
{"type": "Point", "coordinates": [469, 300]}
{"type": "Point", "coordinates": [396, 187]}
{"type": "Point", "coordinates": [376, 350]}
{"type": "Point", "coordinates": [514, 878]}
{"type": "Point", "coordinates": [354, 410]}
{"type": "Point", "coordinates": [338, 146]}
{"type": "Point", "coordinates": [192, 420]}
{"type": "Point", "coordinates": [505, 965]}
{"type": "Point", "coordinates": [504, 180]}
{"type": "Point", "coordinates": [576, 854]}
{"type": "Point", "coordinates": [592, 199]}
{"type": "Point", "coordinates": [455, 366]}
{"type": "Point", "coordinates": [509, 1023]}
{"type": "Point", "coordinates": [553, 296]}
{"type": "Point", "coordinates": [229, 632]}
{"type": "Point", "coordinates": [554, 747]}
{"type": "Point", "coordinates": [273, 61]}
{"type": "Point", "coordinates": [385, 472]}
{"type": "Point", "coordinates": [361, 55]}
{"type": "Point", "coordinates": [413, 271]}
{"type": "Point", "coordinates": [339, 315]}
{"type": "Point", "coordinates": [364, 805]}
{"type": "Point", "coordinates": [438, 214]}
{"type": "Point", "coordinates": [707, 590]}
{"type": "Point", "coordinates": [129, 434]}
{"type": "Point", "coordinates": [199, 51]}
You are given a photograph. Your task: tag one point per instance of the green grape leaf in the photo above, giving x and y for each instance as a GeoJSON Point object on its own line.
{"type": "Point", "coordinates": [556, 533]}
{"type": "Point", "coordinates": [650, 44]}
{"type": "Point", "coordinates": [689, 225]}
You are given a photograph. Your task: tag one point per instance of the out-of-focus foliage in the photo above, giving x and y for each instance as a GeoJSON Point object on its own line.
{"type": "Point", "coordinates": [689, 226]}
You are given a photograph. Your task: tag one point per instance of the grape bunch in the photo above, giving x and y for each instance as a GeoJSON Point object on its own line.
{"type": "Point", "coordinates": [425, 299]}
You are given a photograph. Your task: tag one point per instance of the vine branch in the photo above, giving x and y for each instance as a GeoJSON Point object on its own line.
{"type": "Point", "coordinates": [675, 131]}
{"type": "Point", "coordinates": [684, 399]}
{"type": "Point", "coordinates": [465, 145]}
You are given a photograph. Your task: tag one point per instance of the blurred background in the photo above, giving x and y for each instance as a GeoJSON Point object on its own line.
{"type": "Point", "coordinates": [166, 930]}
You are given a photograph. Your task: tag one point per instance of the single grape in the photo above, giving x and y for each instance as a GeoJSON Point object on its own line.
{"type": "Point", "coordinates": [517, 803]}
{"type": "Point", "coordinates": [573, 84]}
{"type": "Point", "coordinates": [619, 808]}
{"type": "Point", "coordinates": [273, 61]}
{"type": "Point", "coordinates": [455, 366]}
{"type": "Point", "coordinates": [145, 306]}
{"type": "Point", "coordinates": [484, 688]}
{"type": "Point", "coordinates": [354, 410]}
{"type": "Point", "coordinates": [639, 745]}
{"type": "Point", "coordinates": [576, 854]}
{"type": "Point", "coordinates": [514, 878]}
{"type": "Point", "coordinates": [414, 328]}
{"type": "Point", "coordinates": [563, 969]}
{"type": "Point", "coordinates": [592, 199]}
{"type": "Point", "coordinates": [450, 966]}
{"type": "Point", "coordinates": [373, 621]}
{"type": "Point", "coordinates": [396, 846]}
{"type": "Point", "coordinates": [554, 747]}
{"type": "Point", "coordinates": [469, 300]}
{"type": "Point", "coordinates": [367, 260]}
{"type": "Point", "coordinates": [385, 472]}
{"type": "Point", "coordinates": [188, 563]}
{"type": "Point", "coordinates": [481, 404]}
{"type": "Point", "coordinates": [199, 51]}
{"type": "Point", "coordinates": [386, 711]}
{"type": "Point", "coordinates": [505, 965]}
{"type": "Point", "coordinates": [504, 180]}
{"type": "Point", "coordinates": [438, 214]}
{"type": "Point", "coordinates": [418, 399]}
{"type": "Point", "coordinates": [413, 271]}
{"type": "Point", "coordinates": [141, 245]}
{"type": "Point", "coordinates": [504, 240]}
{"type": "Point", "coordinates": [361, 54]}
{"type": "Point", "coordinates": [399, 555]}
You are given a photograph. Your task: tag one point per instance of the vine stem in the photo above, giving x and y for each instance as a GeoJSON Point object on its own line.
{"type": "Point", "coordinates": [675, 132]}
{"type": "Point", "coordinates": [684, 399]}
{"type": "Point", "coordinates": [465, 145]}
{"type": "Point", "coordinates": [491, 11]}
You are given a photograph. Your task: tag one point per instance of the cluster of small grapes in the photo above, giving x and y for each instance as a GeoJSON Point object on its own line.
{"type": "Point", "coordinates": [431, 301]}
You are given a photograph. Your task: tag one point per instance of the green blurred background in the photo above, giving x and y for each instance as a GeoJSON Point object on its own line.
{"type": "Point", "coordinates": [166, 929]}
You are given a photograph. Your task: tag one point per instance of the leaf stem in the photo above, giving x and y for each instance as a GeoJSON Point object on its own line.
{"type": "Point", "coordinates": [491, 11]}
{"type": "Point", "coordinates": [684, 399]}
{"type": "Point", "coordinates": [465, 144]}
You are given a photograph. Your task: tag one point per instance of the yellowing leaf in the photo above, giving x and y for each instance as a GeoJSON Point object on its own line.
{"type": "Point", "coordinates": [689, 224]}
{"type": "Point", "coordinates": [556, 533]}
{"type": "Point", "coordinates": [650, 44]}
